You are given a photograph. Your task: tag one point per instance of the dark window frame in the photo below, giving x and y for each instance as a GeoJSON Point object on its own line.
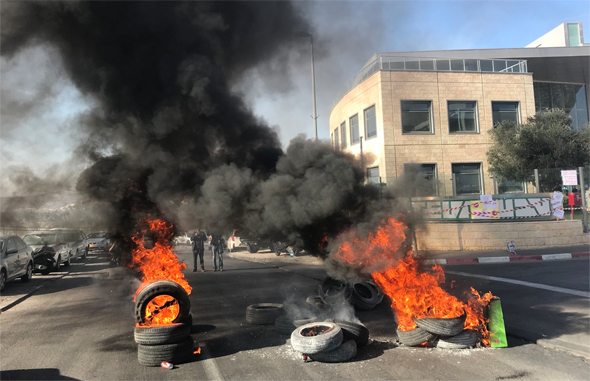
{"type": "Point", "coordinates": [352, 142]}
{"type": "Point", "coordinates": [367, 137]}
{"type": "Point", "coordinates": [430, 114]}
{"type": "Point", "coordinates": [480, 174]}
{"type": "Point", "coordinates": [518, 110]}
{"type": "Point", "coordinates": [371, 177]}
{"type": "Point", "coordinates": [343, 142]}
{"type": "Point", "coordinates": [337, 139]}
{"type": "Point", "coordinates": [475, 117]}
{"type": "Point", "coordinates": [434, 176]}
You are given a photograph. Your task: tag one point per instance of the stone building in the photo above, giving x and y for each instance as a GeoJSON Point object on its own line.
{"type": "Point", "coordinates": [435, 108]}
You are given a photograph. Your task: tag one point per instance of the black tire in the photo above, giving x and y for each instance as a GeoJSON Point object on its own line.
{"type": "Point", "coordinates": [466, 339]}
{"type": "Point", "coordinates": [2, 279]}
{"type": "Point", "coordinates": [252, 249]}
{"type": "Point", "coordinates": [364, 296]}
{"type": "Point", "coordinates": [333, 291]}
{"type": "Point", "coordinates": [176, 353]}
{"type": "Point", "coordinates": [29, 274]}
{"type": "Point", "coordinates": [317, 303]}
{"type": "Point", "coordinates": [166, 334]}
{"type": "Point", "coordinates": [414, 337]}
{"type": "Point", "coordinates": [353, 331]}
{"type": "Point", "coordinates": [57, 264]}
{"type": "Point", "coordinates": [345, 352]}
{"type": "Point", "coordinates": [69, 261]}
{"type": "Point", "coordinates": [372, 284]}
{"type": "Point", "coordinates": [442, 327]}
{"type": "Point", "coordinates": [264, 313]}
{"type": "Point", "coordinates": [45, 272]}
{"type": "Point", "coordinates": [85, 253]}
{"type": "Point", "coordinates": [284, 325]}
{"type": "Point", "coordinates": [189, 320]}
{"type": "Point", "coordinates": [162, 287]}
{"type": "Point", "coordinates": [326, 341]}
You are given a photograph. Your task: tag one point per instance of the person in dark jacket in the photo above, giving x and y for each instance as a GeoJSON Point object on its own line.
{"type": "Point", "coordinates": [218, 242]}
{"type": "Point", "coordinates": [198, 242]}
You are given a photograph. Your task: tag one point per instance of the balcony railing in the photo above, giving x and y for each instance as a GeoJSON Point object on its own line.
{"type": "Point", "coordinates": [431, 64]}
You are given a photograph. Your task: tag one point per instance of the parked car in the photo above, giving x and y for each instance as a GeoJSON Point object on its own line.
{"type": "Point", "coordinates": [50, 250]}
{"type": "Point", "coordinates": [251, 243]}
{"type": "Point", "coordinates": [182, 239]}
{"type": "Point", "coordinates": [77, 242]}
{"type": "Point", "coordinates": [284, 247]}
{"type": "Point", "coordinates": [98, 241]}
{"type": "Point", "coordinates": [16, 260]}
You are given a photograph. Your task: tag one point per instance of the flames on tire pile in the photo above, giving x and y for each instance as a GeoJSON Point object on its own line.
{"type": "Point", "coordinates": [414, 294]}
{"type": "Point", "coordinates": [158, 263]}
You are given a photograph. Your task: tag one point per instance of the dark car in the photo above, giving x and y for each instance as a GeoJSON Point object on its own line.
{"type": "Point", "coordinates": [16, 260]}
{"type": "Point", "coordinates": [249, 242]}
{"type": "Point", "coordinates": [50, 250]}
{"type": "Point", "coordinates": [77, 242]}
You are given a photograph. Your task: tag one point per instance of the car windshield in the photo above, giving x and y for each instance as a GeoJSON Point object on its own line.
{"type": "Point", "coordinates": [40, 239]}
{"type": "Point", "coordinates": [97, 235]}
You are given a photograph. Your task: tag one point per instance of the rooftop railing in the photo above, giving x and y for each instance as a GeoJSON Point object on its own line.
{"type": "Point", "coordinates": [431, 64]}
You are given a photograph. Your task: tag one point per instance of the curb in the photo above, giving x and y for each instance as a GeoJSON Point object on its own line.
{"type": "Point", "coordinates": [507, 259]}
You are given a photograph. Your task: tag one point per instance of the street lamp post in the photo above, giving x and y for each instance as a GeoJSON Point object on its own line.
{"type": "Point", "coordinates": [315, 115]}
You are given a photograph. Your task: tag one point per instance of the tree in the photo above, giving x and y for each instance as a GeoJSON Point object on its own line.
{"type": "Point", "coordinates": [546, 140]}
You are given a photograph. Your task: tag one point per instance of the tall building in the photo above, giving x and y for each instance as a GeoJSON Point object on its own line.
{"type": "Point", "coordinates": [435, 108]}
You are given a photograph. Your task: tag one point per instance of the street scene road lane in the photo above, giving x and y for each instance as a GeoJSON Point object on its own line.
{"type": "Point", "coordinates": [81, 327]}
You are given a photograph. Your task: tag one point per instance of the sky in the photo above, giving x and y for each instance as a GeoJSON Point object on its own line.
{"type": "Point", "coordinates": [347, 34]}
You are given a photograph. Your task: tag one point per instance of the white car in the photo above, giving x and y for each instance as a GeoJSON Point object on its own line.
{"type": "Point", "coordinates": [182, 239]}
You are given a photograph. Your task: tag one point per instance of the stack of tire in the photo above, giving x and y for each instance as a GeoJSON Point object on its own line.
{"type": "Point", "coordinates": [171, 343]}
{"type": "Point", "coordinates": [330, 341]}
{"type": "Point", "coordinates": [439, 332]}
{"type": "Point", "coordinates": [364, 295]}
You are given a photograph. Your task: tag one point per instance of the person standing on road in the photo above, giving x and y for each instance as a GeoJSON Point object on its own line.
{"type": "Point", "coordinates": [217, 242]}
{"type": "Point", "coordinates": [198, 242]}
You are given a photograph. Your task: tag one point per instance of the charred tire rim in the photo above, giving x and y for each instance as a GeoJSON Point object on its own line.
{"type": "Point", "coordinates": [346, 351]}
{"type": "Point", "coordinates": [364, 296]}
{"type": "Point", "coordinates": [264, 313]}
{"type": "Point", "coordinates": [153, 355]}
{"type": "Point", "coordinates": [466, 339]}
{"type": "Point", "coordinates": [353, 331]}
{"type": "Point", "coordinates": [442, 327]}
{"type": "Point", "coordinates": [310, 345]}
{"type": "Point", "coordinates": [333, 291]}
{"type": "Point", "coordinates": [372, 284]}
{"type": "Point", "coordinates": [300, 322]}
{"type": "Point", "coordinates": [166, 334]}
{"type": "Point", "coordinates": [162, 287]}
{"type": "Point", "coordinates": [414, 337]}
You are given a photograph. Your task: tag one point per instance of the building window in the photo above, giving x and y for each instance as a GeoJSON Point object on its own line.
{"type": "Point", "coordinates": [571, 98]}
{"type": "Point", "coordinates": [373, 175]}
{"type": "Point", "coordinates": [343, 135]}
{"type": "Point", "coordinates": [467, 178]}
{"type": "Point", "coordinates": [463, 117]}
{"type": "Point", "coordinates": [354, 129]}
{"type": "Point", "coordinates": [332, 139]}
{"type": "Point", "coordinates": [502, 111]}
{"type": "Point", "coordinates": [510, 186]}
{"type": "Point", "coordinates": [336, 139]}
{"type": "Point", "coordinates": [416, 117]}
{"type": "Point", "coordinates": [573, 34]}
{"type": "Point", "coordinates": [370, 122]}
{"type": "Point", "coordinates": [429, 187]}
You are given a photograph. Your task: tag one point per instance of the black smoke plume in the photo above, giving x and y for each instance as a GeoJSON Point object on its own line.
{"type": "Point", "coordinates": [170, 139]}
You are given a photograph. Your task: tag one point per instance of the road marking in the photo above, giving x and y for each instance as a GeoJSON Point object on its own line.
{"type": "Point", "coordinates": [552, 257]}
{"type": "Point", "coordinates": [584, 294]}
{"type": "Point", "coordinates": [493, 259]}
{"type": "Point", "coordinates": [209, 364]}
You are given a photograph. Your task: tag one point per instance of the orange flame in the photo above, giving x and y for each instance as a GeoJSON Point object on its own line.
{"type": "Point", "coordinates": [197, 351]}
{"type": "Point", "coordinates": [413, 293]}
{"type": "Point", "coordinates": [159, 263]}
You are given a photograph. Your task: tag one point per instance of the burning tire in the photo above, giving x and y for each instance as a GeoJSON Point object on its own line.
{"type": "Point", "coordinates": [264, 313]}
{"type": "Point", "coordinates": [414, 337]}
{"type": "Point", "coordinates": [313, 338]}
{"type": "Point", "coordinates": [353, 331]}
{"type": "Point", "coordinates": [167, 334]}
{"type": "Point", "coordinates": [162, 287]}
{"type": "Point", "coordinates": [365, 296]}
{"type": "Point", "coordinates": [153, 355]}
{"type": "Point", "coordinates": [343, 353]}
{"type": "Point", "coordinates": [466, 339]}
{"type": "Point", "coordinates": [442, 327]}
{"type": "Point", "coordinates": [333, 291]}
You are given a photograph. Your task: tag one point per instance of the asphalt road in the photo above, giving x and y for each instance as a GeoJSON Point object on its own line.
{"type": "Point", "coordinates": [81, 327]}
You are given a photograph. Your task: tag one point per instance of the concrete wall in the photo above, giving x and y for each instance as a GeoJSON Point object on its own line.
{"type": "Point", "coordinates": [391, 149]}
{"type": "Point", "coordinates": [495, 235]}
